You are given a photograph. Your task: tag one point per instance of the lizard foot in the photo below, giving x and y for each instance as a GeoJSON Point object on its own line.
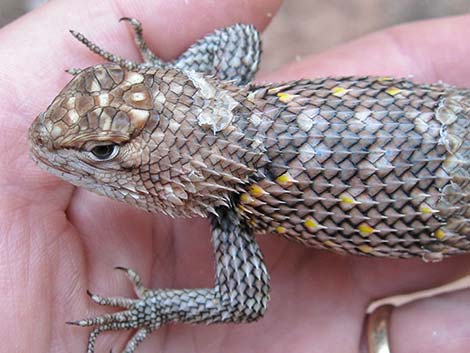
{"type": "Point", "coordinates": [240, 292]}
{"type": "Point", "coordinates": [141, 314]}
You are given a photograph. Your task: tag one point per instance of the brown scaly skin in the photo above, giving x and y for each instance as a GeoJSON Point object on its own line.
{"type": "Point", "coordinates": [362, 165]}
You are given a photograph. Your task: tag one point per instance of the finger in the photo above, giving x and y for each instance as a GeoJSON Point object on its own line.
{"type": "Point", "coordinates": [428, 50]}
{"type": "Point", "coordinates": [438, 324]}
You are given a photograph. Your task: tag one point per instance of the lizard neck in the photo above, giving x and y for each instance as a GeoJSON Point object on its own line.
{"type": "Point", "coordinates": [206, 139]}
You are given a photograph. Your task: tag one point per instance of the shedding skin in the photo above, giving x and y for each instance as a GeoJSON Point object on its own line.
{"type": "Point", "coordinates": [372, 166]}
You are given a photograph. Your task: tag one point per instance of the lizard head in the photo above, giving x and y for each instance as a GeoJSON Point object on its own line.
{"type": "Point", "coordinates": [90, 133]}
{"type": "Point", "coordinates": [145, 137]}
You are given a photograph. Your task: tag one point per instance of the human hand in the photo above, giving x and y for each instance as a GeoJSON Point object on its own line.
{"type": "Point", "coordinates": [58, 241]}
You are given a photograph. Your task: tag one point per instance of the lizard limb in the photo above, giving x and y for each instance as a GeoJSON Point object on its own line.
{"type": "Point", "coordinates": [240, 294]}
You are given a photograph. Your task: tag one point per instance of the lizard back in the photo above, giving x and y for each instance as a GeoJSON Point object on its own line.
{"type": "Point", "coordinates": [373, 166]}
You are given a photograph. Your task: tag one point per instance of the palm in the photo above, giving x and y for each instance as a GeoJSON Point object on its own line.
{"type": "Point", "coordinates": [57, 241]}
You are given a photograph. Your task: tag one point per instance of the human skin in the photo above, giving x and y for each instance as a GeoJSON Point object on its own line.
{"type": "Point", "coordinates": [56, 241]}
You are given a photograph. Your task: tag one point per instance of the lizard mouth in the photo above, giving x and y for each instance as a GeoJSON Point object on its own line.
{"type": "Point", "coordinates": [39, 156]}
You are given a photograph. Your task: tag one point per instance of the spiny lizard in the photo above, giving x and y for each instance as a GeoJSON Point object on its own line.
{"type": "Point", "coordinates": [371, 166]}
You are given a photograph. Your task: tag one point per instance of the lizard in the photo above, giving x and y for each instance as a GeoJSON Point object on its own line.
{"type": "Point", "coordinates": [370, 166]}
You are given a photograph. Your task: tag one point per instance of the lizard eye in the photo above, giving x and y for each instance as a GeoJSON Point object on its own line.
{"type": "Point", "coordinates": [105, 152]}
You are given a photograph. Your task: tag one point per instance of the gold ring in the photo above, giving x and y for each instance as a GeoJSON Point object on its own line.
{"type": "Point", "coordinates": [378, 323]}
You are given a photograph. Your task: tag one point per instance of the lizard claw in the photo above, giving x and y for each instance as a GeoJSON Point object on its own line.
{"type": "Point", "coordinates": [133, 21]}
{"type": "Point", "coordinates": [135, 318]}
{"type": "Point", "coordinates": [139, 288]}
{"type": "Point", "coordinates": [73, 71]}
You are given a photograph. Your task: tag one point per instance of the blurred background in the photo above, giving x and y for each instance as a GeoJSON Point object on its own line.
{"type": "Point", "coordinates": [303, 27]}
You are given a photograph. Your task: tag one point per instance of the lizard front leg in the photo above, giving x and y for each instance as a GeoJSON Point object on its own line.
{"type": "Point", "coordinates": [240, 293]}
{"type": "Point", "coordinates": [229, 54]}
